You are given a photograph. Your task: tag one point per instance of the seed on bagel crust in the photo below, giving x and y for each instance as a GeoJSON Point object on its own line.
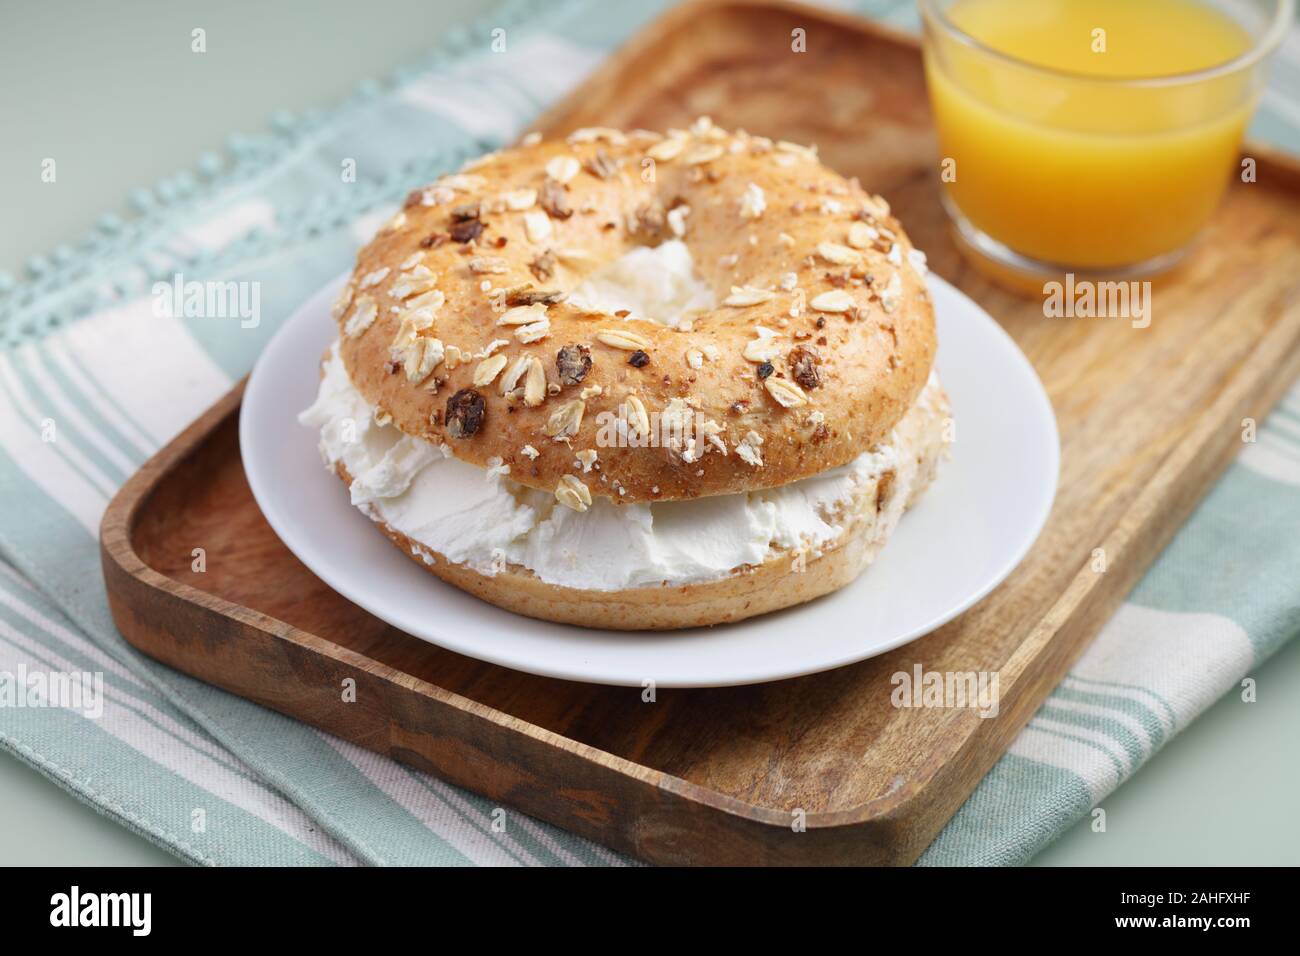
{"type": "Point", "coordinates": [753, 202]}
{"type": "Point", "coordinates": [666, 150]}
{"type": "Point", "coordinates": [602, 166]}
{"type": "Point", "coordinates": [465, 413]}
{"type": "Point", "coordinates": [638, 359]}
{"type": "Point", "coordinates": [891, 297]}
{"type": "Point", "coordinates": [534, 331]}
{"type": "Point", "coordinates": [537, 225]}
{"type": "Point", "coordinates": [596, 134]}
{"type": "Point", "coordinates": [647, 219]}
{"type": "Point", "coordinates": [836, 300]}
{"type": "Point", "coordinates": [624, 339]}
{"type": "Point", "coordinates": [510, 381]}
{"type": "Point", "coordinates": [747, 295]}
{"type": "Point", "coordinates": [574, 257]}
{"type": "Point", "coordinates": [553, 199]}
{"type": "Point", "coordinates": [565, 420]}
{"type": "Point", "coordinates": [807, 152]}
{"type": "Point", "coordinates": [919, 261]}
{"type": "Point", "coordinates": [437, 195]}
{"type": "Point", "coordinates": [517, 200]}
{"type": "Point", "coordinates": [534, 383]}
{"type": "Point", "coordinates": [526, 295]}
{"type": "Point", "coordinates": [862, 236]}
{"type": "Point", "coordinates": [420, 357]}
{"type": "Point", "coordinates": [764, 370]}
{"type": "Point", "coordinates": [749, 449]}
{"type": "Point", "coordinates": [763, 348]}
{"type": "Point", "coordinates": [705, 153]}
{"type": "Point", "coordinates": [562, 168]}
{"type": "Point", "coordinates": [363, 316]}
{"type": "Point", "coordinates": [543, 266]}
{"type": "Point", "coordinates": [372, 279]}
{"type": "Point", "coordinates": [874, 207]}
{"type": "Point", "coordinates": [676, 218]}
{"type": "Point", "coordinates": [713, 435]}
{"type": "Point", "coordinates": [488, 265]}
{"type": "Point", "coordinates": [702, 127]}
{"type": "Point", "coordinates": [677, 429]}
{"type": "Point", "coordinates": [412, 323]}
{"type": "Point", "coordinates": [573, 363]}
{"type": "Point", "coordinates": [488, 369]}
{"type": "Point", "coordinates": [637, 416]}
{"type": "Point", "coordinates": [418, 281]}
{"type": "Point", "coordinates": [454, 357]}
{"type": "Point", "coordinates": [523, 314]}
{"type": "Point", "coordinates": [787, 393]}
{"type": "Point", "coordinates": [572, 493]}
{"type": "Point", "coordinates": [838, 255]}
{"type": "Point", "coordinates": [343, 301]}
{"type": "Point", "coordinates": [462, 182]}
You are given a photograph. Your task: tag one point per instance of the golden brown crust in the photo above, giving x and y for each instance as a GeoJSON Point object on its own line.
{"type": "Point", "coordinates": [860, 369]}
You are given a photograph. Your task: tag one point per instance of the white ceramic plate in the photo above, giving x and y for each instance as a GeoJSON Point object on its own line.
{"type": "Point", "coordinates": [968, 532]}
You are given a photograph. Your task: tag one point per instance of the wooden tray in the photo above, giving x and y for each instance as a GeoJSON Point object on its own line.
{"type": "Point", "coordinates": [1148, 418]}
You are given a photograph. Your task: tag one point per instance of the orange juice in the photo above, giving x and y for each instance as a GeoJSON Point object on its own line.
{"type": "Point", "coordinates": [1071, 132]}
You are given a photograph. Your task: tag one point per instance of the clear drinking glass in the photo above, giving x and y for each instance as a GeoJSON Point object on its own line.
{"type": "Point", "coordinates": [1051, 168]}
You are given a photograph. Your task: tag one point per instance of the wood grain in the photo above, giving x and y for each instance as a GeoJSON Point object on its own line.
{"type": "Point", "coordinates": [1148, 419]}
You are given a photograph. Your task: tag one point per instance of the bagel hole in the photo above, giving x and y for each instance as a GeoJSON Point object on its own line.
{"type": "Point", "coordinates": [650, 283]}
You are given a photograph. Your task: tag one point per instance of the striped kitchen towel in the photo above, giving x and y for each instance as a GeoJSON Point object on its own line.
{"type": "Point", "coordinates": [92, 382]}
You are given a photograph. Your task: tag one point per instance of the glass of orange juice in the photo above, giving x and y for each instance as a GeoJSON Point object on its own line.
{"type": "Point", "coordinates": [1094, 136]}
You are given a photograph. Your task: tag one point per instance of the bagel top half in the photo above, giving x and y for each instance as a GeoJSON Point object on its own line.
{"type": "Point", "coordinates": [455, 322]}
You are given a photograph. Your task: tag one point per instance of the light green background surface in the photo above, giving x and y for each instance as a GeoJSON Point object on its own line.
{"type": "Point", "coordinates": [111, 91]}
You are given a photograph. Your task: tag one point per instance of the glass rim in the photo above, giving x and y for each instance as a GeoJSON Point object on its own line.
{"type": "Point", "coordinates": [1268, 41]}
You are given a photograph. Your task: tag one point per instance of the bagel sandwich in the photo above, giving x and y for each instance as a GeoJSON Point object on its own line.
{"type": "Point", "coordinates": [637, 381]}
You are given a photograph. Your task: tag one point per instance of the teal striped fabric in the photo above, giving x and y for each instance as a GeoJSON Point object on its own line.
{"type": "Point", "coordinates": [92, 382]}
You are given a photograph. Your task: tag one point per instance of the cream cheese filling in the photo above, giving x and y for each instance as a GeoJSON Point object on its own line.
{"type": "Point", "coordinates": [482, 519]}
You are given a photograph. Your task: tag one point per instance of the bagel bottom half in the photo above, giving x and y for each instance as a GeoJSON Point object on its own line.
{"type": "Point", "coordinates": [785, 579]}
